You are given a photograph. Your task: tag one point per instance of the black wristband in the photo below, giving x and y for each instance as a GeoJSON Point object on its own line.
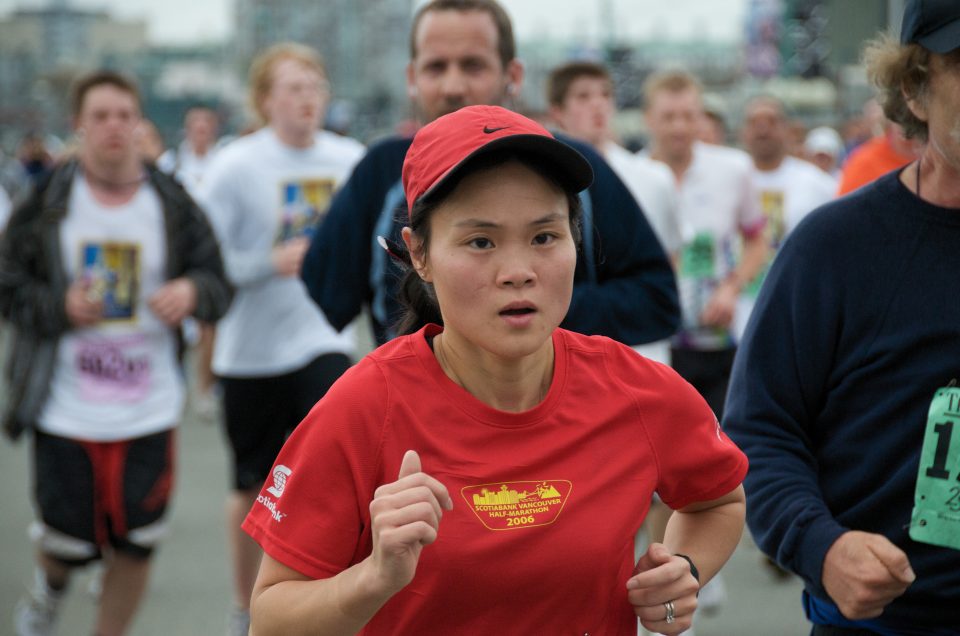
{"type": "Point", "coordinates": [693, 569]}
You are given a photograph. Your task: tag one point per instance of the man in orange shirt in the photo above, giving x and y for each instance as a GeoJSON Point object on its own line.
{"type": "Point", "coordinates": [876, 157]}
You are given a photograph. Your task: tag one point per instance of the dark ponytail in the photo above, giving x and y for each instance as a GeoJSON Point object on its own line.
{"type": "Point", "coordinates": [419, 304]}
{"type": "Point", "coordinates": [416, 296]}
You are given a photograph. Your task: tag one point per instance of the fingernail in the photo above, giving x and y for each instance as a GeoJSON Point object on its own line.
{"type": "Point", "coordinates": [632, 584]}
{"type": "Point", "coordinates": [910, 574]}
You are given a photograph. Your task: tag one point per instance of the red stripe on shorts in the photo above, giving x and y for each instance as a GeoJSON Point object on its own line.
{"type": "Point", "coordinates": [108, 460]}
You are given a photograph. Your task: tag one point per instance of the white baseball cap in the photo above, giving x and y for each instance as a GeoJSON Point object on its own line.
{"type": "Point", "coordinates": [823, 140]}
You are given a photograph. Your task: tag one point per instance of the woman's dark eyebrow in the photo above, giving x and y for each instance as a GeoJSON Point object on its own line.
{"type": "Point", "coordinates": [481, 223]}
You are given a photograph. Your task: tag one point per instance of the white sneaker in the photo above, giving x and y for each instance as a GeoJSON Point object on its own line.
{"type": "Point", "coordinates": [238, 622]}
{"type": "Point", "coordinates": [191, 331]}
{"type": "Point", "coordinates": [206, 405]}
{"type": "Point", "coordinates": [36, 613]}
{"type": "Point", "coordinates": [95, 582]}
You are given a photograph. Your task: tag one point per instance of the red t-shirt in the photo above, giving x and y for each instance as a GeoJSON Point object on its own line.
{"type": "Point", "coordinates": [546, 502]}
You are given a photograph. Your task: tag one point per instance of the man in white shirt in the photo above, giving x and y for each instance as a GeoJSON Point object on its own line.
{"type": "Point", "coordinates": [192, 158]}
{"type": "Point", "coordinates": [101, 263]}
{"type": "Point", "coordinates": [275, 352]}
{"type": "Point", "coordinates": [788, 188]}
{"type": "Point", "coordinates": [723, 246]}
{"type": "Point", "coordinates": [188, 162]}
{"type": "Point", "coordinates": [581, 101]}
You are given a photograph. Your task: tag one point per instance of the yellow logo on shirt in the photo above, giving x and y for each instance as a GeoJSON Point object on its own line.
{"type": "Point", "coordinates": [517, 504]}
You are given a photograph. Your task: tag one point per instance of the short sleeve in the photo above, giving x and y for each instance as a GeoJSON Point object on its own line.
{"type": "Point", "coordinates": [696, 461]}
{"type": "Point", "coordinates": [313, 510]}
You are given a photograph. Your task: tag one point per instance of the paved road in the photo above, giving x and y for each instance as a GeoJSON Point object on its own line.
{"type": "Point", "coordinates": [189, 591]}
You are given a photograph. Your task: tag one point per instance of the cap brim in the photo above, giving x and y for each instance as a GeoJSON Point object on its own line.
{"type": "Point", "coordinates": [571, 168]}
{"type": "Point", "coordinates": [943, 40]}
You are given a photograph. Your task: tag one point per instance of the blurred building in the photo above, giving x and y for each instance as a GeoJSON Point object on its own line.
{"type": "Point", "coordinates": [41, 51]}
{"type": "Point", "coordinates": [174, 78]}
{"type": "Point", "coordinates": [715, 62]}
{"type": "Point", "coordinates": [364, 43]}
{"type": "Point", "coordinates": [807, 51]}
{"type": "Point", "coordinates": [798, 45]}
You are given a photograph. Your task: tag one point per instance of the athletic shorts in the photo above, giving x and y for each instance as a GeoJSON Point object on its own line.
{"type": "Point", "coordinates": [95, 494]}
{"type": "Point", "coordinates": [708, 372]}
{"type": "Point", "coordinates": [260, 413]}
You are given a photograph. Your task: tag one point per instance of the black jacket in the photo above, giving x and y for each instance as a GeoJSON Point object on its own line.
{"type": "Point", "coordinates": [33, 281]}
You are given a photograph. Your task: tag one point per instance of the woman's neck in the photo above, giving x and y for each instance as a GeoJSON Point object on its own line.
{"type": "Point", "coordinates": [512, 385]}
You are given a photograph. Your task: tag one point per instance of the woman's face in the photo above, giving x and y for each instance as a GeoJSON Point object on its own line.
{"type": "Point", "coordinates": [501, 258]}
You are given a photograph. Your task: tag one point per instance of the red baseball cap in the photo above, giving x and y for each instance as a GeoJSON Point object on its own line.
{"type": "Point", "coordinates": [444, 147]}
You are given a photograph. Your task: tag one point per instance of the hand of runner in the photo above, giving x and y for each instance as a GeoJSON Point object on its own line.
{"type": "Point", "coordinates": [288, 256]}
{"type": "Point", "coordinates": [405, 516]}
{"type": "Point", "coordinates": [658, 578]}
{"type": "Point", "coordinates": [721, 306]}
{"type": "Point", "coordinates": [83, 308]}
{"type": "Point", "coordinates": [174, 301]}
{"type": "Point", "coordinates": [863, 572]}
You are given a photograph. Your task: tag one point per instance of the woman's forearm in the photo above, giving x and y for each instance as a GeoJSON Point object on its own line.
{"type": "Point", "coordinates": [342, 604]}
{"type": "Point", "coordinates": [708, 533]}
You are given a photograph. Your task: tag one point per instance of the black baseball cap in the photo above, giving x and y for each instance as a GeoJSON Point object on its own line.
{"type": "Point", "coordinates": [933, 24]}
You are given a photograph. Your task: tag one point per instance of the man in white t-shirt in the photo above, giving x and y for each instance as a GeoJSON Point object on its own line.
{"type": "Point", "coordinates": [788, 188]}
{"type": "Point", "coordinates": [101, 263]}
{"type": "Point", "coordinates": [275, 352]}
{"type": "Point", "coordinates": [188, 162]}
{"type": "Point", "coordinates": [581, 100]}
{"type": "Point", "coordinates": [723, 244]}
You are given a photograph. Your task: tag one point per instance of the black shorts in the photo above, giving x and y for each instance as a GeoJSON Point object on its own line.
{"type": "Point", "coordinates": [827, 630]}
{"type": "Point", "coordinates": [260, 413]}
{"type": "Point", "coordinates": [707, 371]}
{"type": "Point", "coordinates": [95, 494]}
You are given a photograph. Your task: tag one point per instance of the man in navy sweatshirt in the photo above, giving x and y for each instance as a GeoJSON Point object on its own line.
{"type": "Point", "coordinates": [463, 53]}
{"type": "Point", "coordinates": [843, 391]}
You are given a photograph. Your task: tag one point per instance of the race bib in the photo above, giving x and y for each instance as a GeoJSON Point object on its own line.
{"type": "Point", "coordinates": [113, 369]}
{"type": "Point", "coordinates": [699, 257]}
{"type": "Point", "coordinates": [936, 505]}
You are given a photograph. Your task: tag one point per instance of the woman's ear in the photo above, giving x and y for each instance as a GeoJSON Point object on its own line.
{"type": "Point", "coordinates": [417, 255]}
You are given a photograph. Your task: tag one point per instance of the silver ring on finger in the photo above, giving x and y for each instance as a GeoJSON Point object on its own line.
{"type": "Point", "coordinates": [671, 612]}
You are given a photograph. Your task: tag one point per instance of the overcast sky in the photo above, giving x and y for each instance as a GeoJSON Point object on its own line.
{"type": "Point", "coordinates": [186, 21]}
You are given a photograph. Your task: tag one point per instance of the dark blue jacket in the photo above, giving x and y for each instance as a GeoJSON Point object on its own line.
{"type": "Point", "coordinates": [856, 327]}
{"type": "Point", "coordinates": [625, 289]}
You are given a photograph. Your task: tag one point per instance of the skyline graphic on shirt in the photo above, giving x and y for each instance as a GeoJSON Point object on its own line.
{"type": "Point", "coordinates": [517, 505]}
